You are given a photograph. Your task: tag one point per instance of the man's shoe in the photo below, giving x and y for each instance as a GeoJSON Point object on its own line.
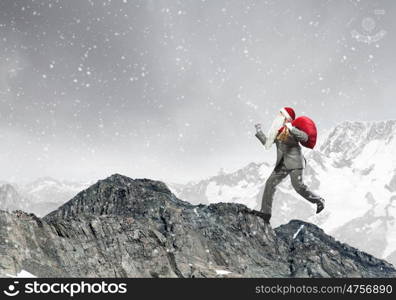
{"type": "Point", "coordinates": [266, 218]}
{"type": "Point", "coordinates": [320, 206]}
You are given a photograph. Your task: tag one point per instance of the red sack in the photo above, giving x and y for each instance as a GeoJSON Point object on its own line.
{"type": "Point", "coordinates": [308, 126]}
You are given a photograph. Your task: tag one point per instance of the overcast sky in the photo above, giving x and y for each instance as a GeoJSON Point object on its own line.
{"type": "Point", "coordinates": [170, 90]}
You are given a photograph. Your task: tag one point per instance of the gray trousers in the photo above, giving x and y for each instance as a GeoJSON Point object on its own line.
{"type": "Point", "coordinates": [277, 175]}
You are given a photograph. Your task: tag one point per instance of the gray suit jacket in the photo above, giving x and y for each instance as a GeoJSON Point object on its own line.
{"type": "Point", "coordinates": [289, 150]}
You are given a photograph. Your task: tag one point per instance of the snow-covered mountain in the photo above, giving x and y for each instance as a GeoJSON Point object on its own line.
{"type": "Point", "coordinates": [40, 196]}
{"type": "Point", "coordinates": [10, 199]}
{"type": "Point", "coordinates": [47, 194]}
{"type": "Point", "coordinates": [49, 189]}
{"type": "Point", "coordinates": [353, 167]}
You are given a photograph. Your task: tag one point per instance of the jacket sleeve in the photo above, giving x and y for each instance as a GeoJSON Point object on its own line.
{"type": "Point", "coordinates": [261, 136]}
{"type": "Point", "coordinates": [300, 135]}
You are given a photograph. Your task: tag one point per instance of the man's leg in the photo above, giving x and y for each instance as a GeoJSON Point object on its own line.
{"type": "Point", "coordinates": [273, 180]}
{"type": "Point", "coordinates": [302, 189]}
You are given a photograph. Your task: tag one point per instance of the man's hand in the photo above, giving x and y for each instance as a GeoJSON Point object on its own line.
{"type": "Point", "coordinates": [258, 127]}
{"type": "Point", "coordinates": [289, 125]}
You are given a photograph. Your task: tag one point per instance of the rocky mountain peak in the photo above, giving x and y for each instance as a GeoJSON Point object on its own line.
{"type": "Point", "coordinates": [117, 195]}
{"type": "Point", "coordinates": [308, 240]}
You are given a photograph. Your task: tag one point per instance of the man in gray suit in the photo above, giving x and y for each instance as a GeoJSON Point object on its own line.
{"type": "Point", "coordinates": [289, 161]}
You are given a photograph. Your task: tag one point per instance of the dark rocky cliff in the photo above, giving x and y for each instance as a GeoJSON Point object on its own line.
{"type": "Point", "coordinates": [121, 227]}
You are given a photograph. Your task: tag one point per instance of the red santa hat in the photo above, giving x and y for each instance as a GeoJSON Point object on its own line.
{"type": "Point", "coordinates": [288, 113]}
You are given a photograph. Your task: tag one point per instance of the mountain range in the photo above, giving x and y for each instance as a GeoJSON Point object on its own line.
{"type": "Point", "coordinates": [353, 167]}
{"type": "Point", "coordinates": [123, 227]}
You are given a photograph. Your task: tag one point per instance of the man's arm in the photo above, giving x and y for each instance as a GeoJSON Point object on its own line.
{"type": "Point", "coordinates": [300, 135]}
{"type": "Point", "coordinates": [261, 136]}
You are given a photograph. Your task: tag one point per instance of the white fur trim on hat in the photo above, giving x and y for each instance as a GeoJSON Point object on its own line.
{"type": "Point", "coordinates": [285, 113]}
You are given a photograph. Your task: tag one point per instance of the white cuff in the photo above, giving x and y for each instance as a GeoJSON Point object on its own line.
{"type": "Point", "coordinates": [289, 126]}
